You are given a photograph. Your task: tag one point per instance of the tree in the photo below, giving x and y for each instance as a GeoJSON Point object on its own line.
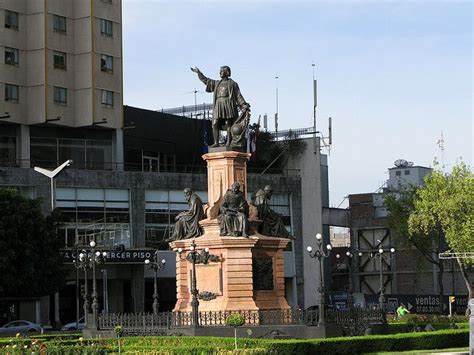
{"type": "Point", "coordinates": [272, 155]}
{"type": "Point", "coordinates": [401, 205]}
{"type": "Point", "coordinates": [446, 203]}
{"type": "Point", "coordinates": [30, 263]}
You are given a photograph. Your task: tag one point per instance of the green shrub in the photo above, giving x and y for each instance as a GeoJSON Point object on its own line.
{"type": "Point", "coordinates": [235, 320]}
{"type": "Point", "coordinates": [423, 319]}
{"type": "Point", "coordinates": [354, 345]}
{"type": "Point", "coordinates": [404, 327]}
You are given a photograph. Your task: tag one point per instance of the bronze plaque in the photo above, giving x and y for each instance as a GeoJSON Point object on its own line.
{"type": "Point", "coordinates": [262, 268]}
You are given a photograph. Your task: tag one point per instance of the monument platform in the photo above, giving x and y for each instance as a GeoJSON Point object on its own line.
{"type": "Point", "coordinates": [239, 274]}
{"type": "Point", "coordinates": [242, 274]}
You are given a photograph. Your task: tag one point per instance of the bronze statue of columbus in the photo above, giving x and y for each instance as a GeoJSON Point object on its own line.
{"type": "Point", "coordinates": [228, 102]}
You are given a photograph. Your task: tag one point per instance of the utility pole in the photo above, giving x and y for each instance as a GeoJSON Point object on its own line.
{"type": "Point", "coordinates": [315, 103]}
{"type": "Point", "coordinates": [276, 114]}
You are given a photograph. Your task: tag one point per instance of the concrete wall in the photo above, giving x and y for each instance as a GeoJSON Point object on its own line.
{"type": "Point", "coordinates": [313, 181]}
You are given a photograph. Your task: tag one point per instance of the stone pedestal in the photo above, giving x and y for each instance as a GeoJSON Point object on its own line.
{"type": "Point", "coordinates": [223, 169]}
{"type": "Point", "coordinates": [249, 274]}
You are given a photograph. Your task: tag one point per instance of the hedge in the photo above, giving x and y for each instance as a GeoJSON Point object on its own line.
{"type": "Point", "coordinates": [212, 345]}
{"type": "Point", "coordinates": [395, 342]}
{"type": "Point", "coordinates": [404, 327]}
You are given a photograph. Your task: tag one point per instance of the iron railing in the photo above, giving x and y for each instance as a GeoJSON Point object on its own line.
{"type": "Point", "coordinates": [353, 321]}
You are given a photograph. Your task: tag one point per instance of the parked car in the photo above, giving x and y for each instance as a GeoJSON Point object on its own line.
{"type": "Point", "coordinates": [74, 325]}
{"type": "Point", "coordinates": [20, 326]}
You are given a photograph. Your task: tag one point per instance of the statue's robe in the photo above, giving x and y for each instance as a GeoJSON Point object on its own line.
{"type": "Point", "coordinates": [272, 224]}
{"type": "Point", "coordinates": [187, 226]}
{"type": "Point", "coordinates": [233, 217]}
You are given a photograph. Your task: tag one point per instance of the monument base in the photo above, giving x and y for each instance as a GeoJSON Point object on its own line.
{"type": "Point", "coordinates": [244, 274]}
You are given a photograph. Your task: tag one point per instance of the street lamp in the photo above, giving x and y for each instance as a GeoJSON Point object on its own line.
{"type": "Point", "coordinates": [80, 262]}
{"type": "Point", "coordinates": [196, 257]}
{"type": "Point", "coordinates": [350, 298]}
{"type": "Point", "coordinates": [320, 254]}
{"type": "Point", "coordinates": [381, 253]}
{"type": "Point", "coordinates": [52, 174]}
{"type": "Point", "coordinates": [96, 258]}
{"type": "Point", "coordinates": [155, 265]}
{"type": "Point", "coordinates": [89, 260]}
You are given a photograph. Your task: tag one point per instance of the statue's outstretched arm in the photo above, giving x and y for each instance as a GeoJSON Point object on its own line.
{"type": "Point", "coordinates": [201, 76]}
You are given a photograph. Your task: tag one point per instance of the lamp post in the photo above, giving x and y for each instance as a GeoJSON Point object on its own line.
{"type": "Point", "coordinates": [96, 258]}
{"type": "Point", "coordinates": [319, 253]}
{"type": "Point", "coordinates": [80, 262]}
{"type": "Point", "coordinates": [350, 298]}
{"type": "Point", "coordinates": [196, 257]}
{"type": "Point", "coordinates": [155, 265]}
{"type": "Point", "coordinates": [381, 253]}
{"type": "Point", "coordinates": [89, 260]}
{"type": "Point", "coordinates": [51, 174]}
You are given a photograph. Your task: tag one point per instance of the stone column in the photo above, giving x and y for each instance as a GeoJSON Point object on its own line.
{"type": "Point", "coordinates": [223, 169]}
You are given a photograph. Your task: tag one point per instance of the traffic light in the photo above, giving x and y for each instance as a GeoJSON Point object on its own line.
{"type": "Point", "coordinates": [452, 299]}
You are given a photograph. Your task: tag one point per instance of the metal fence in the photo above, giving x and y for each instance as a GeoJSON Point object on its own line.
{"type": "Point", "coordinates": [354, 321]}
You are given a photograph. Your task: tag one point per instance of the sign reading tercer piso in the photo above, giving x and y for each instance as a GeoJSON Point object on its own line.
{"type": "Point", "coordinates": [113, 256]}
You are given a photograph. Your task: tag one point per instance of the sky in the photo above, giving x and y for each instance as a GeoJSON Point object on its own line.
{"type": "Point", "coordinates": [393, 75]}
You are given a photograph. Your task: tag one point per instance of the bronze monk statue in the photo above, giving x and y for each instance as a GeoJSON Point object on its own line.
{"type": "Point", "coordinates": [228, 101]}
{"type": "Point", "coordinates": [187, 222]}
{"type": "Point", "coordinates": [233, 217]}
{"type": "Point", "coordinates": [272, 224]}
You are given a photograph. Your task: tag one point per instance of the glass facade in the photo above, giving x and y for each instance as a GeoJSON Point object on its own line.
{"type": "Point", "coordinates": [102, 215]}
{"type": "Point", "coordinates": [8, 151]}
{"type": "Point", "coordinates": [86, 153]}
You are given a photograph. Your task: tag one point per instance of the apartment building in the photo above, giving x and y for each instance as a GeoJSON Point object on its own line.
{"type": "Point", "coordinates": [61, 79]}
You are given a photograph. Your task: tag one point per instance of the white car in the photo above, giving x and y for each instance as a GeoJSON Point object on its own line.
{"type": "Point", "coordinates": [20, 326]}
{"type": "Point", "coordinates": [74, 325]}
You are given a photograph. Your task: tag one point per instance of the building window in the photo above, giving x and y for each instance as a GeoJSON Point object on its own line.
{"type": "Point", "coordinates": [60, 60]}
{"type": "Point", "coordinates": [59, 23]}
{"type": "Point", "coordinates": [60, 95]}
{"type": "Point", "coordinates": [11, 19]}
{"type": "Point", "coordinates": [7, 151]}
{"type": "Point", "coordinates": [93, 154]}
{"type": "Point", "coordinates": [106, 27]}
{"type": "Point", "coordinates": [107, 98]}
{"type": "Point", "coordinates": [161, 209]}
{"type": "Point", "coordinates": [11, 56]}
{"type": "Point", "coordinates": [11, 93]}
{"type": "Point", "coordinates": [407, 172]}
{"type": "Point", "coordinates": [102, 215]}
{"type": "Point", "coordinates": [106, 63]}
{"type": "Point", "coordinates": [398, 173]}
